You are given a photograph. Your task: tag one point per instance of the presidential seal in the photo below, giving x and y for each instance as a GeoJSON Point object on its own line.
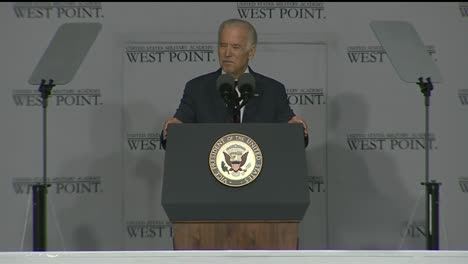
{"type": "Point", "coordinates": [235, 160]}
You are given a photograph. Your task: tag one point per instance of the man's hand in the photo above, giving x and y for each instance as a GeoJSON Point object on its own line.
{"type": "Point", "coordinates": [296, 119]}
{"type": "Point", "coordinates": [171, 120]}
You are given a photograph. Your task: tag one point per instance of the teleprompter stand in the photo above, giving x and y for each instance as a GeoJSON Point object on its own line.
{"type": "Point", "coordinates": [57, 66]}
{"type": "Point", "coordinates": [432, 187]}
{"type": "Point", "coordinates": [412, 62]}
{"type": "Point", "coordinates": [40, 189]}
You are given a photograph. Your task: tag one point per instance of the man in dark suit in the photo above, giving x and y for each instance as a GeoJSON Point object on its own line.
{"type": "Point", "coordinates": [201, 101]}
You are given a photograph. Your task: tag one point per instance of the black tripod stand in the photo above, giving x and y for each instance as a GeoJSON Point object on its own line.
{"type": "Point", "coordinates": [40, 189]}
{"type": "Point", "coordinates": [432, 187]}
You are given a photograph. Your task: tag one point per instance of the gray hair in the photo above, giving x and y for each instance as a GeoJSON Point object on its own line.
{"type": "Point", "coordinates": [239, 22]}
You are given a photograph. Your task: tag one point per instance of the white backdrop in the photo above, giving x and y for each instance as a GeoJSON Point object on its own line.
{"type": "Point", "coordinates": [365, 159]}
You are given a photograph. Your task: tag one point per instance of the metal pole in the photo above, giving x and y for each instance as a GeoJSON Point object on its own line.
{"type": "Point", "coordinates": [432, 188]}
{"type": "Point", "coordinates": [39, 217]}
{"type": "Point", "coordinates": [429, 231]}
{"type": "Point", "coordinates": [40, 189]}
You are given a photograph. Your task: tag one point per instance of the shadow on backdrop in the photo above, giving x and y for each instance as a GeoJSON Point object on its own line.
{"type": "Point", "coordinates": [90, 203]}
{"type": "Point", "coordinates": [367, 204]}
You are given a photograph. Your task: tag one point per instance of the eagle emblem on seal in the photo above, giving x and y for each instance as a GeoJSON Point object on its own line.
{"type": "Point", "coordinates": [235, 164]}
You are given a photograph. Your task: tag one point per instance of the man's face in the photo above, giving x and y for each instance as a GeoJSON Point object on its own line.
{"type": "Point", "coordinates": [234, 50]}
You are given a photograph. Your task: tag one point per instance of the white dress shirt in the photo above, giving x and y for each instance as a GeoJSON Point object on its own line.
{"type": "Point", "coordinates": [238, 93]}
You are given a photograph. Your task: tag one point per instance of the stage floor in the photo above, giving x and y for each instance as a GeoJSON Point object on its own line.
{"type": "Point", "coordinates": [235, 257]}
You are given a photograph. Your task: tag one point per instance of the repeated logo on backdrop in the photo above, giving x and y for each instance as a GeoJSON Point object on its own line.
{"type": "Point", "coordinates": [149, 229]}
{"type": "Point", "coordinates": [464, 9]}
{"type": "Point", "coordinates": [61, 185]}
{"type": "Point", "coordinates": [173, 53]}
{"type": "Point", "coordinates": [305, 96]}
{"type": "Point", "coordinates": [143, 141]}
{"type": "Point", "coordinates": [59, 10]}
{"type": "Point", "coordinates": [281, 10]}
{"type": "Point", "coordinates": [59, 97]}
{"type": "Point", "coordinates": [373, 54]}
{"type": "Point", "coordinates": [463, 182]}
{"type": "Point", "coordinates": [316, 184]}
{"type": "Point", "coordinates": [389, 141]}
{"type": "Point", "coordinates": [463, 96]}
{"type": "Point", "coordinates": [414, 230]}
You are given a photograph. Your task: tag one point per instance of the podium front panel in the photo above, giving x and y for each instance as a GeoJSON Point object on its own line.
{"type": "Point", "coordinates": [191, 192]}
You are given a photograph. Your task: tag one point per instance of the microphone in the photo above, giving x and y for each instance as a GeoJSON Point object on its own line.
{"type": "Point", "coordinates": [246, 86]}
{"type": "Point", "coordinates": [225, 85]}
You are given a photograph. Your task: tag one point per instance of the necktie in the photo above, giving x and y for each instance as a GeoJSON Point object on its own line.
{"type": "Point", "coordinates": [236, 117]}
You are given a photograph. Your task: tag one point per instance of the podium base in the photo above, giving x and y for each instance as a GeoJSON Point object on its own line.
{"type": "Point", "coordinates": [235, 235]}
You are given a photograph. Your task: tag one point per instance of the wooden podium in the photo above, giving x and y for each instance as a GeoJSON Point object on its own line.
{"type": "Point", "coordinates": [208, 215]}
{"type": "Point", "coordinates": [228, 235]}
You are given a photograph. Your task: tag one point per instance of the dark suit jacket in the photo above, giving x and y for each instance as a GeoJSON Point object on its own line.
{"type": "Point", "coordinates": [202, 102]}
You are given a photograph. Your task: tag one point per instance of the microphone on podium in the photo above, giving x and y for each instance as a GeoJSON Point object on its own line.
{"type": "Point", "coordinates": [225, 85]}
{"type": "Point", "coordinates": [246, 87]}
